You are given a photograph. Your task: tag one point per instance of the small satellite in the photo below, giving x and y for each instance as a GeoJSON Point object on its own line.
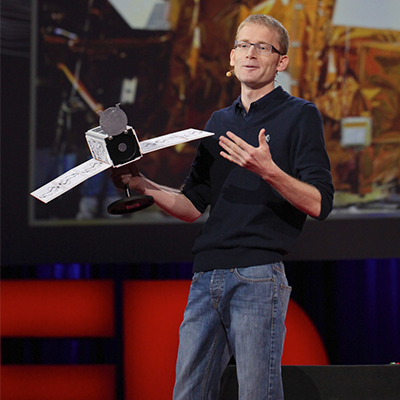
{"type": "Point", "coordinates": [114, 144]}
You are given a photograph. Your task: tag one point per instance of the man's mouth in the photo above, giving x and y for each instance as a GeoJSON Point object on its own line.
{"type": "Point", "coordinates": [250, 66]}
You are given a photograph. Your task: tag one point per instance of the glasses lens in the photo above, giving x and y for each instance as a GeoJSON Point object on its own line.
{"type": "Point", "coordinates": [242, 45]}
{"type": "Point", "coordinates": [261, 48]}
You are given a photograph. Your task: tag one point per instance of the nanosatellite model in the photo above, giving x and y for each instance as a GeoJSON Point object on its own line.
{"type": "Point", "coordinates": [114, 144]}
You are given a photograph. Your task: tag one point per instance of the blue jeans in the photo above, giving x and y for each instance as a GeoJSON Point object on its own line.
{"type": "Point", "coordinates": [239, 312]}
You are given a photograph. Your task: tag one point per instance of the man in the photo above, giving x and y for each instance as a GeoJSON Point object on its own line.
{"type": "Point", "coordinates": [262, 173]}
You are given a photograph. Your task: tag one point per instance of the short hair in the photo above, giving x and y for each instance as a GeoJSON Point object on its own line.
{"type": "Point", "coordinates": [270, 23]}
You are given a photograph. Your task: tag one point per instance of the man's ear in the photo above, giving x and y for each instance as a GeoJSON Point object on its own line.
{"type": "Point", "coordinates": [282, 63]}
{"type": "Point", "coordinates": [232, 58]}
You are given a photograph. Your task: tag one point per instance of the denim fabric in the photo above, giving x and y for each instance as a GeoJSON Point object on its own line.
{"type": "Point", "coordinates": [239, 312]}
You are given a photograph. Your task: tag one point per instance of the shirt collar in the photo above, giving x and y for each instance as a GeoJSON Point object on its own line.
{"type": "Point", "coordinates": [262, 102]}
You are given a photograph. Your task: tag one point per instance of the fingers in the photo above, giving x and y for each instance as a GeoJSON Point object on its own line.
{"type": "Point", "coordinates": [236, 139]}
{"type": "Point", "coordinates": [231, 148]}
{"type": "Point", "coordinates": [236, 149]}
{"type": "Point", "coordinates": [124, 175]}
{"type": "Point", "coordinates": [261, 136]}
{"type": "Point", "coordinates": [232, 144]}
{"type": "Point", "coordinates": [119, 180]}
{"type": "Point", "coordinates": [263, 141]}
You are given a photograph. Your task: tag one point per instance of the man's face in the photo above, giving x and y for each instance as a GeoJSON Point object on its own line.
{"type": "Point", "coordinates": [256, 71]}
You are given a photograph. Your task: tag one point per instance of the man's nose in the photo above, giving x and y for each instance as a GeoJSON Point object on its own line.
{"type": "Point", "coordinates": [251, 52]}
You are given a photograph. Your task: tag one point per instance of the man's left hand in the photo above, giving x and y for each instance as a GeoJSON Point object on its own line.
{"type": "Point", "coordinates": [255, 159]}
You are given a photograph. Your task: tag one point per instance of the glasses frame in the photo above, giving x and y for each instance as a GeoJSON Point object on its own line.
{"type": "Point", "coordinates": [237, 42]}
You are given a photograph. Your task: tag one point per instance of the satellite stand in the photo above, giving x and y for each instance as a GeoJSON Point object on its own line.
{"type": "Point", "coordinates": [130, 203]}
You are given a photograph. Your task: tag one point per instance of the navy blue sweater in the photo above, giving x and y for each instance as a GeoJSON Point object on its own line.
{"type": "Point", "coordinates": [250, 223]}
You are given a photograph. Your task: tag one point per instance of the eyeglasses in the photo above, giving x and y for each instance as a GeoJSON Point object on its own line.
{"type": "Point", "coordinates": [264, 49]}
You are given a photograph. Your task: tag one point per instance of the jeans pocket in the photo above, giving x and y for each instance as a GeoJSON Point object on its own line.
{"type": "Point", "coordinates": [259, 273]}
{"type": "Point", "coordinates": [284, 295]}
{"type": "Point", "coordinates": [284, 290]}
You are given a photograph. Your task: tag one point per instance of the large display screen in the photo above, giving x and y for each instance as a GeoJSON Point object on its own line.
{"type": "Point", "coordinates": [165, 63]}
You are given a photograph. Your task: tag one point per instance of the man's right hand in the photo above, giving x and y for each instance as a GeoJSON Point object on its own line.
{"type": "Point", "coordinates": [128, 175]}
{"type": "Point", "coordinates": [171, 200]}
